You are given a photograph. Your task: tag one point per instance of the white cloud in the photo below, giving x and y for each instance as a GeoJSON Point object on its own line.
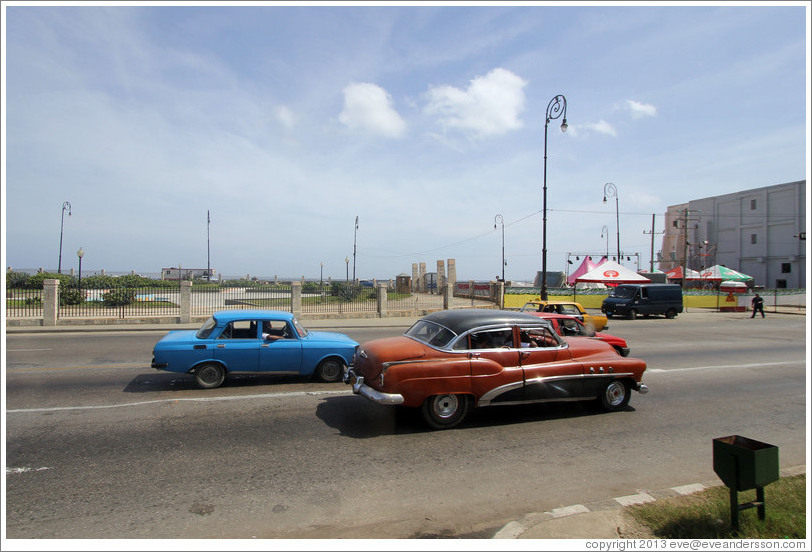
{"type": "Point", "coordinates": [368, 107]}
{"type": "Point", "coordinates": [601, 127]}
{"type": "Point", "coordinates": [285, 116]}
{"type": "Point", "coordinates": [640, 110]}
{"type": "Point", "coordinates": [491, 105]}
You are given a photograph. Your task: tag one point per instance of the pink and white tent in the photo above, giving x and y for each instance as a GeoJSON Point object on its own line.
{"type": "Point", "coordinates": [612, 273]}
{"type": "Point", "coordinates": [585, 267]}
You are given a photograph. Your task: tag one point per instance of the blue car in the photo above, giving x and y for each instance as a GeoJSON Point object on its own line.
{"type": "Point", "coordinates": [253, 341]}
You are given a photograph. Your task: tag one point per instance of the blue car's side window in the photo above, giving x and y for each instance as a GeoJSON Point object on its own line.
{"type": "Point", "coordinates": [240, 329]}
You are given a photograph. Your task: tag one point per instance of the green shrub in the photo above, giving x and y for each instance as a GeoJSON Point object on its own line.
{"type": "Point", "coordinates": [16, 280]}
{"type": "Point", "coordinates": [71, 296]}
{"type": "Point", "coordinates": [119, 297]}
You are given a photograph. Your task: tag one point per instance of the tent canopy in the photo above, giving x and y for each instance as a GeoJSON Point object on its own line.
{"type": "Point", "coordinates": [611, 272]}
{"type": "Point", "coordinates": [676, 274]}
{"type": "Point", "coordinates": [585, 267]}
{"type": "Point", "coordinates": [719, 272]}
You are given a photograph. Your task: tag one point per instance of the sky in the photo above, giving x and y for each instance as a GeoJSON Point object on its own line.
{"type": "Point", "coordinates": [249, 138]}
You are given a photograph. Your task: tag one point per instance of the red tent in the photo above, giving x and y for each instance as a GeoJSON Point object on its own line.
{"type": "Point", "coordinates": [585, 267]}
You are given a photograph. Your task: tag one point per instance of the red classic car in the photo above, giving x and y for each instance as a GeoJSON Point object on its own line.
{"type": "Point", "coordinates": [569, 326]}
{"type": "Point", "coordinates": [450, 361]}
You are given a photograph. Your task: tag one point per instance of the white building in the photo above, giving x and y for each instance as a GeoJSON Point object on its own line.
{"type": "Point", "coordinates": [759, 232]}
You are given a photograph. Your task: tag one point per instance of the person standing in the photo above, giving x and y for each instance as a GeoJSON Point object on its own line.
{"type": "Point", "coordinates": [758, 305]}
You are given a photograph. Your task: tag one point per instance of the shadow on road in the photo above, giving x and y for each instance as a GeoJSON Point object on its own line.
{"type": "Point", "coordinates": [169, 381]}
{"type": "Point", "coordinates": [360, 418]}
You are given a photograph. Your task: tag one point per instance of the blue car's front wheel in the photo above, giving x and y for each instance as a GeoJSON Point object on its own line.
{"type": "Point", "coordinates": [210, 376]}
{"type": "Point", "coordinates": [330, 370]}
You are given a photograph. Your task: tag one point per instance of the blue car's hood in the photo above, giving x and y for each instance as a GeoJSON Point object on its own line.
{"type": "Point", "coordinates": [330, 337]}
{"type": "Point", "coordinates": [179, 335]}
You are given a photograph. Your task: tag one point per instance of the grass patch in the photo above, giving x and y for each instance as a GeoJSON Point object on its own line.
{"type": "Point", "coordinates": [706, 514]}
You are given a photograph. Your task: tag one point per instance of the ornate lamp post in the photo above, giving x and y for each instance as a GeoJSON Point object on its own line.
{"type": "Point", "coordinates": [65, 205]}
{"type": "Point", "coordinates": [500, 220]}
{"type": "Point", "coordinates": [80, 254]}
{"type": "Point", "coordinates": [354, 241]}
{"type": "Point", "coordinates": [610, 190]}
{"type": "Point", "coordinates": [555, 109]}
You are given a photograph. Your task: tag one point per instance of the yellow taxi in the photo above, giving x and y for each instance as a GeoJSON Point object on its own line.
{"type": "Point", "coordinates": [598, 321]}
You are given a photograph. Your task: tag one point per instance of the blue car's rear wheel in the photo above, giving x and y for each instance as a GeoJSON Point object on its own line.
{"type": "Point", "coordinates": [210, 376]}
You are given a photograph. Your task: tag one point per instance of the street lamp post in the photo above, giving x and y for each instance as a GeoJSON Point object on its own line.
{"type": "Point", "coordinates": [65, 205]}
{"type": "Point", "coordinates": [500, 220]}
{"type": "Point", "coordinates": [321, 275]}
{"type": "Point", "coordinates": [347, 262]}
{"type": "Point", "coordinates": [555, 109]}
{"type": "Point", "coordinates": [610, 190]}
{"type": "Point", "coordinates": [80, 254]}
{"type": "Point", "coordinates": [354, 242]}
{"type": "Point", "coordinates": [605, 232]}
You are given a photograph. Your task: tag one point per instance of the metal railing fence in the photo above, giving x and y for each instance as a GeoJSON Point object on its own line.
{"type": "Point", "coordinates": [339, 298]}
{"type": "Point", "coordinates": [207, 300]}
{"type": "Point", "coordinates": [118, 302]}
{"type": "Point", "coordinates": [23, 303]}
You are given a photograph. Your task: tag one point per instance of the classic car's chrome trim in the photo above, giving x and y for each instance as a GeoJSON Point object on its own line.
{"type": "Point", "coordinates": [642, 388]}
{"type": "Point", "coordinates": [488, 397]}
{"type": "Point", "coordinates": [387, 365]}
{"type": "Point", "coordinates": [360, 388]}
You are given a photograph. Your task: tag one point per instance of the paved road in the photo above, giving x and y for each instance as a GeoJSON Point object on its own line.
{"type": "Point", "coordinates": [100, 446]}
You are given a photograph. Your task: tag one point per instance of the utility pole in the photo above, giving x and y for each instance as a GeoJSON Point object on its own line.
{"type": "Point", "coordinates": [651, 269]}
{"type": "Point", "coordinates": [685, 218]}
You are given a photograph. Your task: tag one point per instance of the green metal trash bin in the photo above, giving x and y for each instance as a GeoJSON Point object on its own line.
{"type": "Point", "coordinates": [744, 464]}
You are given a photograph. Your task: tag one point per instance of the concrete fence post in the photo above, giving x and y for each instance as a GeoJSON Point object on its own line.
{"type": "Point", "coordinates": [382, 300]}
{"type": "Point", "coordinates": [296, 299]}
{"type": "Point", "coordinates": [185, 301]}
{"type": "Point", "coordinates": [448, 293]}
{"type": "Point", "coordinates": [500, 294]}
{"type": "Point", "coordinates": [50, 302]}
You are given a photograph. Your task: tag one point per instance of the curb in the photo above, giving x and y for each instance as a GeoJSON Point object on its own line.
{"type": "Point", "coordinates": [515, 529]}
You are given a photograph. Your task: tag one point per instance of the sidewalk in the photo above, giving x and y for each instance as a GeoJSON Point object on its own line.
{"type": "Point", "coordinates": [601, 520]}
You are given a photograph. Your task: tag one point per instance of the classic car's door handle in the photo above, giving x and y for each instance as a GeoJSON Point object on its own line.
{"type": "Point", "coordinates": [473, 355]}
{"type": "Point", "coordinates": [221, 345]}
{"type": "Point", "coordinates": [523, 354]}
{"type": "Point", "coordinates": [199, 346]}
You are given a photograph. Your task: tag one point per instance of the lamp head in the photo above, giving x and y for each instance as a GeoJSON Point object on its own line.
{"type": "Point", "coordinates": [564, 125]}
{"type": "Point", "coordinates": [80, 253]}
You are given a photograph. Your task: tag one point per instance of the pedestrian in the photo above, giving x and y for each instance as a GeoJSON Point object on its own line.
{"type": "Point", "coordinates": [758, 306]}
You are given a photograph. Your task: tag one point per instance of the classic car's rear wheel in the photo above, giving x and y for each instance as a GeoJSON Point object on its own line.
{"type": "Point", "coordinates": [615, 396]}
{"type": "Point", "coordinates": [330, 370]}
{"type": "Point", "coordinates": [210, 376]}
{"type": "Point", "coordinates": [445, 411]}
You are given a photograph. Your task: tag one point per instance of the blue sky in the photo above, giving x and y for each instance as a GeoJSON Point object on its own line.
{"type": "Point", "coordinates": [425, 122]}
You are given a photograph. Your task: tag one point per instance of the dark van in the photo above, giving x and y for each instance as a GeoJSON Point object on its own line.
{"type": "Point", "coordinates": [631, 300]}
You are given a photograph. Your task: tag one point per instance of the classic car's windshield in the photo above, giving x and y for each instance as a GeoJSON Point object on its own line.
{"type": "Point", "coordinates": [623, 292]}
{"type": "Point", "coordinates": [431, 333]}
{"type": "Point", "coordinates": [205, 330]}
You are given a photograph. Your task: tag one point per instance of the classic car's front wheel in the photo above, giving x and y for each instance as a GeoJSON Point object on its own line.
{"type": "Point", "coordinates": [445, 411]}
{"type": "Point", "coordinates": [330, 370]}
{"type": "Point", "coordinates": [210, 376]}
{"type": "Point", "coordinates": [615, 396]}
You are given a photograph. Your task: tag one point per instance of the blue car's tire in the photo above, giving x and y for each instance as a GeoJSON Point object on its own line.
{"type": "Point", "coordinates": [330, 370]}
{"type": "Point", "coordinates": [210, 376]}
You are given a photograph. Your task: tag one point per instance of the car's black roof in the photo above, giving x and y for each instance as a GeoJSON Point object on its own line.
{"type": "Point", "coordinates": [460, 321]}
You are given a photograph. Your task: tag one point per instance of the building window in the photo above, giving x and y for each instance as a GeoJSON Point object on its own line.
{"type": "Point", "coordinates": [752, 204]}
{"type": "Point", "coordinates": [786, 268]}
{"type": "Point", "coordinates": [753, 238]}
{"type": "Point", "coordinates": [781, 284]}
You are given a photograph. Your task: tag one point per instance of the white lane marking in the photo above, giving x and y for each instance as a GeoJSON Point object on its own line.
{"type": "Point", "coordinates": [757, 365]}
{"type": "Point", "coordinates": [195, 399]}
{"type": "Point", "coordinates": [26, 350]}
{"type": "Point", "coordinates": [24, 470]}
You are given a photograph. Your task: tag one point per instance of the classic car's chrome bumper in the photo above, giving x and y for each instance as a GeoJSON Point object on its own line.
{"type": "Point", "coordinates": [360, 388]}
{"type": "Point", "coordinates": [642, 388]}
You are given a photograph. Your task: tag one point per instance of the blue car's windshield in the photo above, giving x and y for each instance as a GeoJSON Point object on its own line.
{"type": "Point", "coordinates": [299, 329]}
{"type": "Point", "coordinates": [205, 330]}
{"type": "Point", "coordinates": [431, 333]}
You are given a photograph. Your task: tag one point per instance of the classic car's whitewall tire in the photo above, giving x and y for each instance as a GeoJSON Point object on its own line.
{"type": "Point", "coordinates": [210, 376]}
{"type": "Point", "coordinates": [615, 396]}
{"type": "Point", "coordinates": [330, 370]}
{"type": "Point", "coordinates": [445, 411]}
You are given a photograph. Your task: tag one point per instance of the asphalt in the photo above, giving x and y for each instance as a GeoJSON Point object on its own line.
{"type": "Point", "coordinates": [598, 520]}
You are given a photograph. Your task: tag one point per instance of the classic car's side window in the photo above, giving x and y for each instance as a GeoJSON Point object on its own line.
{"type": "Point", "coordinates": [491, 339]}
{"type": "Point", "coordinates": [240, 329]}
{"type": "Point", "coordinates": [537, 337]}
{"type": "Point", "coordinates": [570, 327]}
{"type": "Point", "coordinates": [570, 309]}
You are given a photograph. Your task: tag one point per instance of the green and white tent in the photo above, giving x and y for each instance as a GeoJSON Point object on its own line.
{"type": "Point", "coordinates": [719, 272]}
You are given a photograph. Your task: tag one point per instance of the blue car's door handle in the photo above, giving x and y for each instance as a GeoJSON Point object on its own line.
{"type": "Point", "coordinates": [199, 346]}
